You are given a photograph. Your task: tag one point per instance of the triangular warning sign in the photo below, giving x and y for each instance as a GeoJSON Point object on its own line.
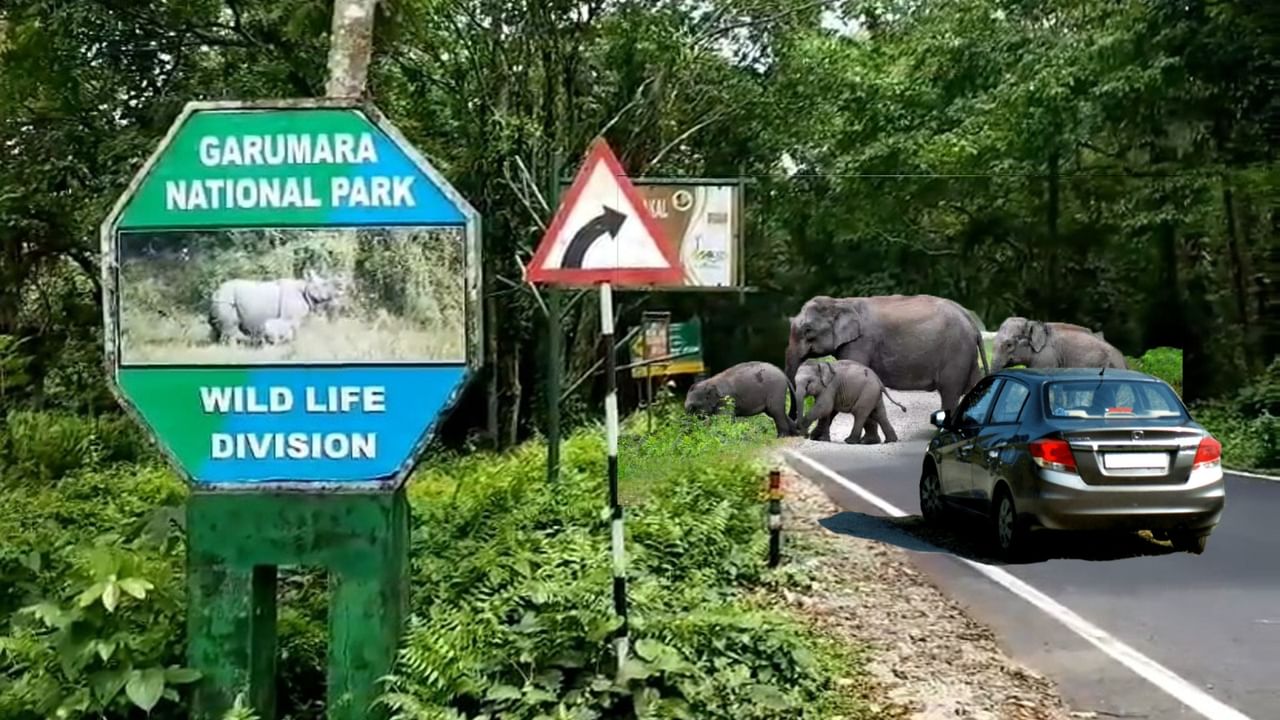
{"type": "Point", "coordinates": [603, 232]}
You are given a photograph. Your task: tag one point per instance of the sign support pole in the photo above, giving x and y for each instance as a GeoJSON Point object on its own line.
{"type": "Point", "coordinates": [621, 640]}
{"type": "Point", "coordinates": [555, 342]}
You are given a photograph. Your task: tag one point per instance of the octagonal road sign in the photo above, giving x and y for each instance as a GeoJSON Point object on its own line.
{"type": "Point", "coordinates": [290, 296]}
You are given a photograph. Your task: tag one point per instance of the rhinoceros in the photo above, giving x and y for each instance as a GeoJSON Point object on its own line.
{"type": "Point", "coordinates": [278, 330]}
{"type": "Point", "coordinates": [243, 307]}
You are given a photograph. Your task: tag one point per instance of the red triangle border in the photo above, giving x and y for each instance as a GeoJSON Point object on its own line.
{"type": "Point", "coordinates": [536, 273]}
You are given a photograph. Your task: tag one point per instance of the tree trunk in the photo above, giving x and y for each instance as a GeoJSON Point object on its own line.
{"type": "Point", "coordinates": [491, 354]}
{"type": "Point", "coordinates": [1237, 268]}
{"type": "Point", "coordinates": [350, 48]}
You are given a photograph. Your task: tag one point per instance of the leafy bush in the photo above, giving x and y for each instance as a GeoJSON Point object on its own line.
{"type": "Point", "coordinates": [1249, 443]}
{"type": "Point", "coordinates": [1162, 362]}
{"type": "Point", "coordinates": [512, 609]}
{"type": "Point", "coordinates": [41, 447]}
{"type": "Point", "coordinates": [1248, 423]}
{"type": "Point", "coordinates": [511, 612]}
{"type": "Point", "coordinates": [1262, 395]}
{"type": "Point", "coordinates": [91, 591]}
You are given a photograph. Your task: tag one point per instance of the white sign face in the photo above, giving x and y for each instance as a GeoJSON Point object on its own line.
{"type": "Point", "coordinates": [604, 226]}
{"type": "Point", "coordinates": [603, 232]}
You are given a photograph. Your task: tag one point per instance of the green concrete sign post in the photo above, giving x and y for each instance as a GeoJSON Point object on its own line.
{"type": "Point", "coordinates": [291, 303]}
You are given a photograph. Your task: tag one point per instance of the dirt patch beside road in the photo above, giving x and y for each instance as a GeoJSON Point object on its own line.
{"type": "Point", "coordinates": [930, 660]}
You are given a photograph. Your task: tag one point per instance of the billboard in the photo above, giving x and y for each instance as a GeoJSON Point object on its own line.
{"type": "Point", "coordinates": [702, 219]}
{"type": "Point", "coordinates": [704, 223]}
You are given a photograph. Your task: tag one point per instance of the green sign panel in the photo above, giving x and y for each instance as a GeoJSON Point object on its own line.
{"type": "Point", "coordinates": [300, 167]}
{"type": "Point", "coordinates": [685, 342]}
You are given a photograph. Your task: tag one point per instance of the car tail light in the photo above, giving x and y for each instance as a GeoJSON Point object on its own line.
{"type": "Point", "coordinates": [1053, 454]}
{"type": "Point", "coordinates": [1208, 454]}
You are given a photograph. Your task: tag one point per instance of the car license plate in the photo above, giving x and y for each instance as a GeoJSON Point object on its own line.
{"type": "Point", "coordinates": [1134, 461]}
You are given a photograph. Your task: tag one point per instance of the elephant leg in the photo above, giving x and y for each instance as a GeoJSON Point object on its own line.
{"type": "Point", "coordinates": [824, 408]}
{"type": "Point", "coordinates": [777, 409]}
{"type": "Point", "coordinates": [950, 397]}
{"type": "Point", "coordinates": [881, 418]}
{"type": "Point", "coordinates": [864, 412]}
{"type": "Point", "coordinates": [781, 423]}
{"type": "Point", "coordinates": [870, 433]}
{"type": "Point", "coordinates": [856, 431]}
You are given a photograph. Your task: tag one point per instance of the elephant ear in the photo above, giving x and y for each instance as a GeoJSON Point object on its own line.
{"type": "Point", "coordinates": [1039, 335]}
{"type": "Point", "coordinates": [826, 372]}
{"type": "Point", "coordinates": [847, 325]}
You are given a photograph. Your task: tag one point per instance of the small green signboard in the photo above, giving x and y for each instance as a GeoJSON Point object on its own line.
{"type": "Point", "coordinates": [685, 352]}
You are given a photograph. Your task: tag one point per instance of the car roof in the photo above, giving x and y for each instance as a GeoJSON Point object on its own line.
{"type": "Point", "coordinates": [1043, 375]}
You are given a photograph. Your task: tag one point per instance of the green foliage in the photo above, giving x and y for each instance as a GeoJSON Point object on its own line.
{"type": "Point", "coordinates": [419, 280]}
{"type": "Point", "coordinates": [14, 376]}
{"type": "Point", "coordinates": [1163, 362]}
{"type": "Point", "coordinates": [43, 446]}
{"type": "Point", "coordinates": [679, 439]}
{"type": "Point", "coordinates": [1248, 424]}
{"type": "Point", "coordinates": [90, 593]}
{"type": "Point", "coordinates": [512, 611]}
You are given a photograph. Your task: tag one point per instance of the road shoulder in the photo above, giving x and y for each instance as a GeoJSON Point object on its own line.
{"type": "Point", "coordinates": [928, 657]}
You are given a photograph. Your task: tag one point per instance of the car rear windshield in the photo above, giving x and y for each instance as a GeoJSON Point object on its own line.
{"type": "Point", "coordinates": [1106, 398]}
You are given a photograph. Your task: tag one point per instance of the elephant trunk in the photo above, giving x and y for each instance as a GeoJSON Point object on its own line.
{"type": "Point", "coordinates": [795, 356]}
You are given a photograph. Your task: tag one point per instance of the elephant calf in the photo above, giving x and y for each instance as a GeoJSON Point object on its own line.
{"type": "Point", "coordinates": [1037, 344]}
{"type": "Point", "coordinates": [845, 386]}
{"type": "Point", "coordinates": [754, 387]}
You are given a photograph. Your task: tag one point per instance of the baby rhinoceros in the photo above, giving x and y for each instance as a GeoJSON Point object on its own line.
{"type": "Point", "coordinates": [754, 387]}
{"type": "Point", "coordinates": [844, 386]}
{"type": "Point", "coordinates": [277, 331]}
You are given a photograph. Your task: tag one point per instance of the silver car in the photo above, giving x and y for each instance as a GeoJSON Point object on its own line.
{"type": "Point", "coordinates": [1074, 449]}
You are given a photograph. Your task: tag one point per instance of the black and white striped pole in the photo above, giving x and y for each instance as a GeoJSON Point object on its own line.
{"type": "Point", "coordinates": [615, 503]}
{"type": "Point", "coordinates": [775, 517]}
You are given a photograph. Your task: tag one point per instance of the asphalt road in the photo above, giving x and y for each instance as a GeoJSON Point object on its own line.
{"type": "Point", "coordinates": [1212, 619]}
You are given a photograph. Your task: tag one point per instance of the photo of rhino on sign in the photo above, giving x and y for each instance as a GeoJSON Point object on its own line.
{"type": "Point", "coordinates": [268, 296]}
{"type": "Point", "coordinates": [268, 310]}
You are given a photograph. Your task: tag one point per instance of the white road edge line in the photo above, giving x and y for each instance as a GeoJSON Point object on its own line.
{"type": "Point", "coordinates": [1251, 475]}
{"type": "Point", "coordinates": [1150, 670]}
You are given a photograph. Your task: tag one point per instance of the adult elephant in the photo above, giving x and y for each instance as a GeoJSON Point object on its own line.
{"type": "Point", "coordinates": [1038, 344]}
{"type": "Point", "coordinates": [913, 342]}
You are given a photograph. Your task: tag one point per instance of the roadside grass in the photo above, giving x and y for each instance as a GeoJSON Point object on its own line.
{"type": "Point", "coordinates": [510, 613]}
{"type": "Point", "coordinates": [680, 440]}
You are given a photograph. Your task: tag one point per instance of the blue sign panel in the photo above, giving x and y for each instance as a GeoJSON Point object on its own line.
{"type": "Point", "coordinates": [291, 297]}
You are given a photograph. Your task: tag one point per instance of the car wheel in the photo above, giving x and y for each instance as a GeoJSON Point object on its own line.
{"type": "Point", "coordinates": [931, 504]}
{"type": "Point", "coordinates": [1192, 542]}
{"type": "Point", "coordinates": [1011, 532]}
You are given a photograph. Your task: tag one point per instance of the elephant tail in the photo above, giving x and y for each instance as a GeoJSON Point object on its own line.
{"type": "Point", "coordinates": [890, 397]}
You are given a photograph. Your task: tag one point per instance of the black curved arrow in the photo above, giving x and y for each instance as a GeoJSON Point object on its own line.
{"type": "Point", "coordinates": [609, 221]}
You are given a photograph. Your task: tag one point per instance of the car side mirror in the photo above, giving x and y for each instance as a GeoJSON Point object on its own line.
{"type": "Point", "coordinates": [939, 418]}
